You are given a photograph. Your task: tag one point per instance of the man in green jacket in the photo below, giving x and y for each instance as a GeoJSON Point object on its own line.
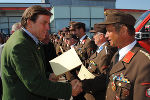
{"type": "Point", "coordinates": [23, 73]}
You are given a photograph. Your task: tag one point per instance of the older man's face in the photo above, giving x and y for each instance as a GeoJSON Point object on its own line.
{"type": "Point", "coordinates": [112, 35]}
{"type": "Point", "coordinates": [117, 39]}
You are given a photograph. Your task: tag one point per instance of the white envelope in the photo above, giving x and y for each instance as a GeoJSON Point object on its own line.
{"type": "Point", "coordinates": [85, 74]}
{"type": "Point", "coordinates": [65, 62]}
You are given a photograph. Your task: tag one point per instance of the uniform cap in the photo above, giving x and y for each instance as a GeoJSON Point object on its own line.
{"type": "Point", "coordinates": [77, 25]}
{"type": "Point", "coordinates": [99, 28]}
{"type": "Point", "coordinates": [119, 17]}
{"type": "Point", "coordinates": [71, 36]}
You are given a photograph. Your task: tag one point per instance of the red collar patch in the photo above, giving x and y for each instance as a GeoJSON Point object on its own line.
{"type": "Point", "coordinates": [128, 57]}
{"type": "Point", "coordinates": [83, 41]}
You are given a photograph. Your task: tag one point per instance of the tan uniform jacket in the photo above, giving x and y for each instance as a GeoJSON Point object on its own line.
{"type": "Point", "coordinates": [85, 49]}
{"type": "Point", "coordinates": [101, 59]}
{"type": "Point", "coordinates": [130, 77]}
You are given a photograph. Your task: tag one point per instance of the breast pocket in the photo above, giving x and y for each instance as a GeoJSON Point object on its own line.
{"type": "Point", "coordinates": [123, 90]}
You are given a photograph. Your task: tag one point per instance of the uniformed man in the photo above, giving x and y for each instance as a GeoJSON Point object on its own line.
{"type": "Point", "coordinates": [85, 47]}
{"type": "Point", "coordinates": [66, 30]}
{"type": "Point", "coordinates": [129, 77]}
{"type": "Point", "coordinates": [99, 61]}
{"type": "Point", "coordinates": [60, 47]}
{"type": "Point", "coordinates": [71, 40]}
{"type": "Point", "coordinates": [71, 28]}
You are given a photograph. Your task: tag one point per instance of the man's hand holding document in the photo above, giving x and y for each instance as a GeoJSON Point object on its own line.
{"type": "Point", "coordinates": [65, 62]}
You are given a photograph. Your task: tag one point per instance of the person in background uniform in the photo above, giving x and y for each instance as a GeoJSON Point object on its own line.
{"type": "Point", "coordinates": [66, 30]}
{"type": "Point", "coordinates": [60, 47]}
{"type": "Point", "coordinates": [71, 28]}
{"type": "Point", "coordinates": [55, 39]}
{"type": "Point", "coordinates": [98, 62]}
{"type": "Point", "coordinates": [71, 40]}
{"type": "Point", "coordinates": [59, 33]}
{"type": "Point", "coordinates": [128, 77]}
{"type": "Point", "coordinates": [23, 70]}
{"type": "Point", "coordinates": [85, 47]}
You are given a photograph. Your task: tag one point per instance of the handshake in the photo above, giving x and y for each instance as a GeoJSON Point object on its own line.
{"type": "Point", "coordinates": [76, 84]}
{"type": "Point", "coordinates": [76, 87]}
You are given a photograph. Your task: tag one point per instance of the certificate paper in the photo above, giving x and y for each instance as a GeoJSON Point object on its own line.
{"type": "Point", "coordinates": [85, 74]}
{"type": "Point", "coordinates": [65, 62]}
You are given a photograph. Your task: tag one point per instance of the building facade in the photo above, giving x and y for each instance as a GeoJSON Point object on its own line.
{"type": "Point", "coordinates": [106, 3]}
{"type": "Point", "coordinates": [86, 11]}
{"type": "Point", "coordinates": [11, 13]}
{"type": "Point", "coordinates": [64, 11]}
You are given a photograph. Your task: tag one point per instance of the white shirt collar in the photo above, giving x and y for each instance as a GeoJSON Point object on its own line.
{"type": "Point", "coordinates": [31, 35]}
{"type": "Point", "coordinates": [124, 51]}
{"type": "Point", "coordinates": [100, 47]}
{"type": "Point", "coordinates": [82, 38]}
{"type": "Point", "coordinates": [102, 44]}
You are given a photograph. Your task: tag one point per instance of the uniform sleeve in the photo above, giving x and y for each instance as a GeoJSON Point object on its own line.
{"type": "Point", "coordinates": [106, 59]}
{"type": "Point", "coordinates": [28, 66]}
{"type": "Point", "coordinates": [88, 50]}
{"type": "Point", "coordinates": [142, 82]}
{"type": "Point", "coordinates": [91, 48]}
{"type": "Point", "coordinates": [96, 84]}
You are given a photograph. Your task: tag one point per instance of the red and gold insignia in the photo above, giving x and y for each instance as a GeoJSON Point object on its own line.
{"type": "Point", "coordinates": [83, 41]}
{"type": "Point", "coordinates": [113, 86]}
{"type": "Point", "coordinates": [128, 57]}
{"type": "Point", "coordinates": [125, 92]}
{"type": "Point", "coordinates": [148, 92]}
{"type": "Point", "coordinates": [117, 98]}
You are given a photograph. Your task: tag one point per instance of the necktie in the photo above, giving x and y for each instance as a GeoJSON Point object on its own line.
{"type": "Point", "coordinates": [117, 57]}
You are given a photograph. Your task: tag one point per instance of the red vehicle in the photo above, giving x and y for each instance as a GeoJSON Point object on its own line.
{"type": "Point", "coordinates": [142, 28]}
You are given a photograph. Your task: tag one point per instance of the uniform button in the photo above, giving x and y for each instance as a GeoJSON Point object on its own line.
{"type": "Point", "coordinates": [90, 91]}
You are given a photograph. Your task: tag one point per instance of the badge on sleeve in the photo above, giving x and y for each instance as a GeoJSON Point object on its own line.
{"type": "Point", "coordinates": [148, 92]}
{"type": "Point", "coordinates": [125, 92]}
{"type": "Point", "coordinates": [117, 98]}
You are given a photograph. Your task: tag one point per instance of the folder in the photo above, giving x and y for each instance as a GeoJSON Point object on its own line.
{"type": "Point", "coordinates": [65, 62]}
{"type": "Point", "coordinates": [85, 74]}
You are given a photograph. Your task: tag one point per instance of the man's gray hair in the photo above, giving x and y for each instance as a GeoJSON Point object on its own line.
{"type": "Point", "coordinates": [16, 26]}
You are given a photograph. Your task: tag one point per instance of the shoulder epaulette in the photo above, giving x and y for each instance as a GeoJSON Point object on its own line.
{"type": "Point", "coordinates": [89, 38]}
{"type": "Point", "coordinates": [145, 53]}
{"type": "Point", "coordinates": [128, 57]}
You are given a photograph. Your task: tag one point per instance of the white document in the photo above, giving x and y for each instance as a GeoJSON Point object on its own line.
{"type": "Point", "coordinates": [85, 74]}
{"type": "Point", "coordinates": [65, 62]}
